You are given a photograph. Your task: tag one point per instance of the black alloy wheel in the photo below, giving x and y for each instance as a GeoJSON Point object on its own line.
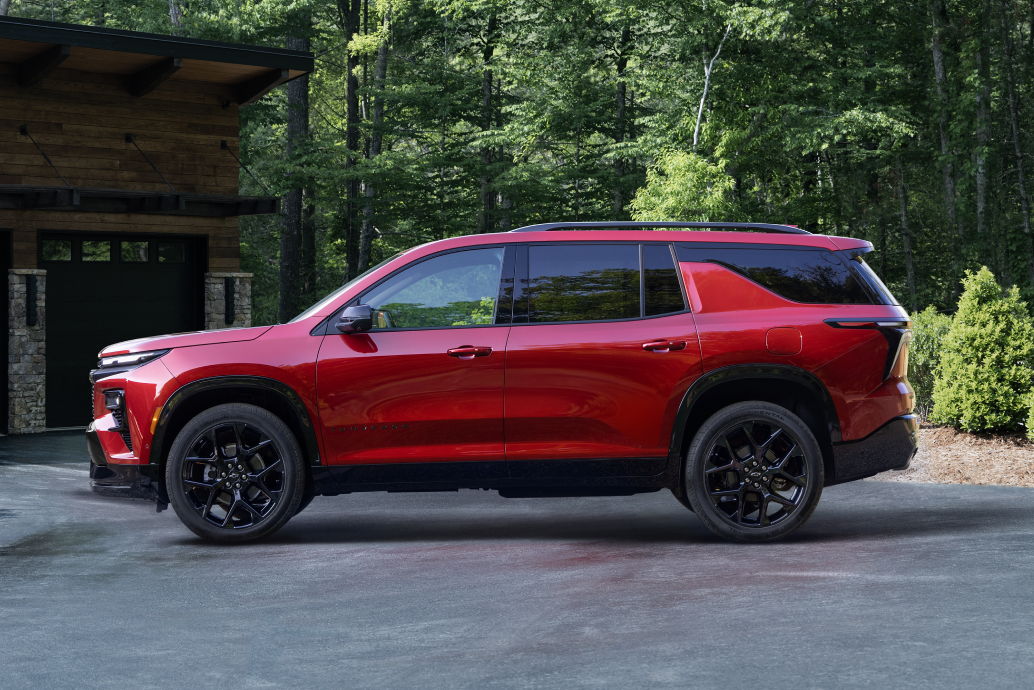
{"type": "Point", "coordinates": [235, 473]}
{"type": "Point", "coordinates": [754, 472]}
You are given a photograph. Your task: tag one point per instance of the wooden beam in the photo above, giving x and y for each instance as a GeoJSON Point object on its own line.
{"type": "Point", "coordinates": [150, 78]}
{"type": "Point", "coordinates": [37, 68]}
{"type": "Point", "coordinates": [254, 89]}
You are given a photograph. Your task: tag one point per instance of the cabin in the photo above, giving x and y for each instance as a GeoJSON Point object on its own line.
{"type": "Point", "coordinates": [119, 204]}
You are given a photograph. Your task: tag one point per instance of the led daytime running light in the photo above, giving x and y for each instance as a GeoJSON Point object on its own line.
{"type": "Point", "coordinates": [133, 359]}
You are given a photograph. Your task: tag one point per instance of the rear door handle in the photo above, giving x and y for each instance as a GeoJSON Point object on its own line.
{"type": "Point", "coordinates": [469, 352]}
{"type": "Point", "coordinates": [664, 345]}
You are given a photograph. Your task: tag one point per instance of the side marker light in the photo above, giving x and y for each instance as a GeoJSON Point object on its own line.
{"type": "Point", "coordinates": [154, 420]}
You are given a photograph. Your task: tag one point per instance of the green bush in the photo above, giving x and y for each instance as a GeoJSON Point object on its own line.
{"type": "Point", "coordinates": [924, 354]}
{"type": "Point", "coordinates": [984, 376]}
{"type": "Point", "coordinates": [1030, 415]}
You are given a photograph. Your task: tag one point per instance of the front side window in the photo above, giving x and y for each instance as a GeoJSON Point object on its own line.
{"type": "Point", "coordinates": [456, 289]}
{"type": "Point", "coordinates": [583, 282]}
{"type": "Point", "coordinates": [811, 276]}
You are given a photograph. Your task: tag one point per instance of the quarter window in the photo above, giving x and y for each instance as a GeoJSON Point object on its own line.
{"type": "Point", "coordinates": [583, 282]}
{"type": "Point", "coordinates": [813, 276]}
{"type": "Point", "coordinates": [456, 289]}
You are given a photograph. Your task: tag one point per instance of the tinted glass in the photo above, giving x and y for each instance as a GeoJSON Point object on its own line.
{"type": "Point", "coordinates": [171, 252]}
{"type": "Point", "coordinates": [813, 276]}
{"type": "Point", "coordinates": [457, 289]}
{"type": "Point", "coordinates": [57, 250]}
{"type": "Point", "coordinates": [583, 282]}
{"type": "Point", "coordinates": [96, 250]}
{"type": "Point", "coordinates": [662, 289]}
{"type": "Point", "coordinates": [134, 251]}
{"type": "Point", "coordinates": [876, 285]}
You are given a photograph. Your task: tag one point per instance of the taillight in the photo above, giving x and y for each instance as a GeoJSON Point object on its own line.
{"type": "Point", "coordinates": [897, 332]}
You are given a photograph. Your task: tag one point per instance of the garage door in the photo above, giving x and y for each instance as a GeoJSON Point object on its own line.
{"type": "Point", "coordinates": [105, 289]}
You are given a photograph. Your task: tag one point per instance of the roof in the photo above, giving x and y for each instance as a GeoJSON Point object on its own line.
{"type": "Point", "coordinates": [38, 47]}
{"type": "Point", "coordinates": [639, 225]}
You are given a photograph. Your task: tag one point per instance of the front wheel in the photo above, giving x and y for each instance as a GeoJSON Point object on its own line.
{"type": "Point", "coordinates": [235, 473]}
{"type": "Point", "coordinates": [754, 472]}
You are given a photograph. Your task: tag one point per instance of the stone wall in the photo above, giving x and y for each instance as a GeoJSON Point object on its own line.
{"type": "Point", "coordinates": [27, 354]}
{"type": "Point", "coordinates": [215, 300]}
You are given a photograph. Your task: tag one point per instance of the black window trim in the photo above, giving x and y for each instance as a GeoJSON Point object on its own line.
{"type": "Point", "coordinates": [642, 284]}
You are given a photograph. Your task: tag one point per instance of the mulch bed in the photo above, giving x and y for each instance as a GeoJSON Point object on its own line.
{"type": "Point", "coordinates": [947, 456]}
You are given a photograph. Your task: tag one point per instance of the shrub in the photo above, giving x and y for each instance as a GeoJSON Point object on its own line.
{"type": "Point", "coordinates": [984, 376]}
{"type": "Point", "coordinates": [924, 354]}
{"type": "Point", "coordinates": [1030, 415]}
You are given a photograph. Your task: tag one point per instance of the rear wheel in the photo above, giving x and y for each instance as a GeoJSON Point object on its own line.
{"type": "Point", "coordinates": [754, 472]}
{"type": "Point", "coordinates": [235, 473]}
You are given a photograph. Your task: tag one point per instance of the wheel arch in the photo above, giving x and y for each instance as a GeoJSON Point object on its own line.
{"type": "Point", "coordinates": [795, 389]}
{"type": "Point", "coordinates": [266, 393]}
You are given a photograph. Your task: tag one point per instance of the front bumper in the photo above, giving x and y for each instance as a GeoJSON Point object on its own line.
{"type": "Point", "coordinates": [127, 481]}
{"type": "Point", "coordinates": [891, 447]}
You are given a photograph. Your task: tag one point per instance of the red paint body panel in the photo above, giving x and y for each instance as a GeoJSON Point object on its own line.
{"type": "Point", "coordinates": [589, 390]}
{"type": "Point", "coordinates": [163, 342]}
{"type": "Point", "coordinates": [547, 391]}
{"type": "Point", "coordinates": [397, 396]}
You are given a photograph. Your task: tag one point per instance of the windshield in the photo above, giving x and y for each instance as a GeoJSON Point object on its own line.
{"type": "Point", "coordinates": [337, 293]}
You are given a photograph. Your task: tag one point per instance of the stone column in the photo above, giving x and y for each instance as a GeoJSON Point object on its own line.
{"type": "Point", "coordinates": [216, 302]}
{"type": "Point", "coordinates": [27, 353]}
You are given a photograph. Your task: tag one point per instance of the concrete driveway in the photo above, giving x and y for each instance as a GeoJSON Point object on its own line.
{"type": "Point", "coordinates": [889, 585]}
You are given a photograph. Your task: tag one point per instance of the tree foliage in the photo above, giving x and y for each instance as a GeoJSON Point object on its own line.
{"type": "Point", "coordinates": [903, 123]}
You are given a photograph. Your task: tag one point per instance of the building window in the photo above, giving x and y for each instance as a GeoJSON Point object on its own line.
{"type": "Point", "coordinates": [96, 250]}
{"type": "Point", "coordinates": [134, 252]}
{"type": "Point", "coordinates": [171, 252]}
{"type": "Point", "coordinates": [57, 250]}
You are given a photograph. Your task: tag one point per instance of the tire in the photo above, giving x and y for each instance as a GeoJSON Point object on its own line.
{"type": "Point", "coordinates": [235, 474]}
{"type": "Point", "coordinates": [754, 472]}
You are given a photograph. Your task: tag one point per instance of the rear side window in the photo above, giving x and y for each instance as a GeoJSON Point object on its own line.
{"type": "Point", "coordinates": [586, 282]}
{"type": "Point", "coordinates": [662, 291]}
{"type": "Point", "coordinates": [812, 276]}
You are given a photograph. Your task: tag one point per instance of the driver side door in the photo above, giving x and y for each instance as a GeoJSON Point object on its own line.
{"type": "Point", "coordinates": [419, 397]}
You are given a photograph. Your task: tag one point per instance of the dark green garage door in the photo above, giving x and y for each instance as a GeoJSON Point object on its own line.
{"type": "Point", "coordinates": [102, 290]}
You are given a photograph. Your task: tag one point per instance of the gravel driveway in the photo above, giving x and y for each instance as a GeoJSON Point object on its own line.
{"type": "Point", "coordinates": [889, 585]}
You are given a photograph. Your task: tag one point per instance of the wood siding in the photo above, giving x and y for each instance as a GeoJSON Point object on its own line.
{"type": "Point", "coordinates": [80, 120]}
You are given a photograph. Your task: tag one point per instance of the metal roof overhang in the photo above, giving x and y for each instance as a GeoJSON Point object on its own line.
{"type": "Point", "coordinates": [93, 200]}
{"type": "Point", "coordinates": [146, 60]}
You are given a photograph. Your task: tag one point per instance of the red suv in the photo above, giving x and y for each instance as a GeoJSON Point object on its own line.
{"type": "Point", "coordinates": [742, 368]}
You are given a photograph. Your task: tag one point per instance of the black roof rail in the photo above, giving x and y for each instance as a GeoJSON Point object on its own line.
{"type": "Point", "coordinates": [759, 227]}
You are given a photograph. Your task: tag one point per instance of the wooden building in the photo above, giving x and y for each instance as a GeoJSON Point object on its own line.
{"type": "Point", "coordinates": [119, 200]}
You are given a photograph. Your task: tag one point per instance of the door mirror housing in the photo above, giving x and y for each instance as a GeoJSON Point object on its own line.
{"type": "Point", "coordinates": [357, 319]}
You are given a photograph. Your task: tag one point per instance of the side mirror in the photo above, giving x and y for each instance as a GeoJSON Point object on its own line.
{"type": "Point", "coordinates": [357, 319]}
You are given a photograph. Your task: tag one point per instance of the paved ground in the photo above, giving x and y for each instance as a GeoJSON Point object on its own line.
{"type": "Point", "coordinates": [906, 585]}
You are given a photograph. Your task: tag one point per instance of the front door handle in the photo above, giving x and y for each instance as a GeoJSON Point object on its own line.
{"type": "Point", "coordinates": [664, 345]}
{"type": "Point", "coordinates": [469, 352]}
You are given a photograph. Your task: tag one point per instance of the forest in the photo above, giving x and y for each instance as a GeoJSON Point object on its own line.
{"type": "Point", "coordinates": [905, 123]}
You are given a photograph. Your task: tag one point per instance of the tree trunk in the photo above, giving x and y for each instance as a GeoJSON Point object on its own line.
{"type": "Point", "coordinates": [1007, 40]}
{"type": "Point", "coordinates": [485, 219]}
{"type": "Point", "coordinates": [380, 72]}
{"type": "Point", "coordinates": [4, 5]}
{"type": "Point", "coordinates": [983, 114]}
{"type": "Point", "coordinates": [350, 10]}
{"type": "Point", "coordinates": [308, 257]}
{"type": "Point", "coordinates": [176, 17]}
{"type": "Point", "coordinates": [906, 237]}
{"type": "Point", "coordinates": [942, 100]}
{"type": "Point", "coordinates": [291, 278]}
{"type": "Point", "coordinates": [708, 68]}
{"type": "Point", "coordinates": [619, 124]}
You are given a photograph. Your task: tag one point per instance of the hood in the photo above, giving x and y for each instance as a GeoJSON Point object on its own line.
{"type": "Point", "coordinates": [167, 342]}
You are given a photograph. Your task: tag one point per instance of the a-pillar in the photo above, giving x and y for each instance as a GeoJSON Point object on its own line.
{"type": "Point", "coordinates": [227, 300]}
{"type": "Point", "coordinates": [27, 350]}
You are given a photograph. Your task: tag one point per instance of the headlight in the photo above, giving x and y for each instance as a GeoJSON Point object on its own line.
{"type": "Point", "coordinates": [131, 360]}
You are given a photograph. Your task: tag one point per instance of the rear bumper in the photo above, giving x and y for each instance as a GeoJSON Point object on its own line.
{"type": "Point", "coordinates": [129, 481]}
{"type": "Point", "coordinates": [890, 447]}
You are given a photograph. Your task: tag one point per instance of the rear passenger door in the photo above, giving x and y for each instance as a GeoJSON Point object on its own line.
{"type": "Point", "coordinates": [601, 350]}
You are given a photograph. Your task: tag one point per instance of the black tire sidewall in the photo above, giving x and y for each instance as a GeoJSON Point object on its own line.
{"type": "Point", "coordinates": [696, 488]}
{"type": "Point", "coordinates": [290, 452]}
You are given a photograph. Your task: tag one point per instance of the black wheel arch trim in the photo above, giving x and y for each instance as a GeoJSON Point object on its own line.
{"type": "Point", "coordinates": [723, 375]}
{"type": "Point", "coordinates": [310, 442]}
